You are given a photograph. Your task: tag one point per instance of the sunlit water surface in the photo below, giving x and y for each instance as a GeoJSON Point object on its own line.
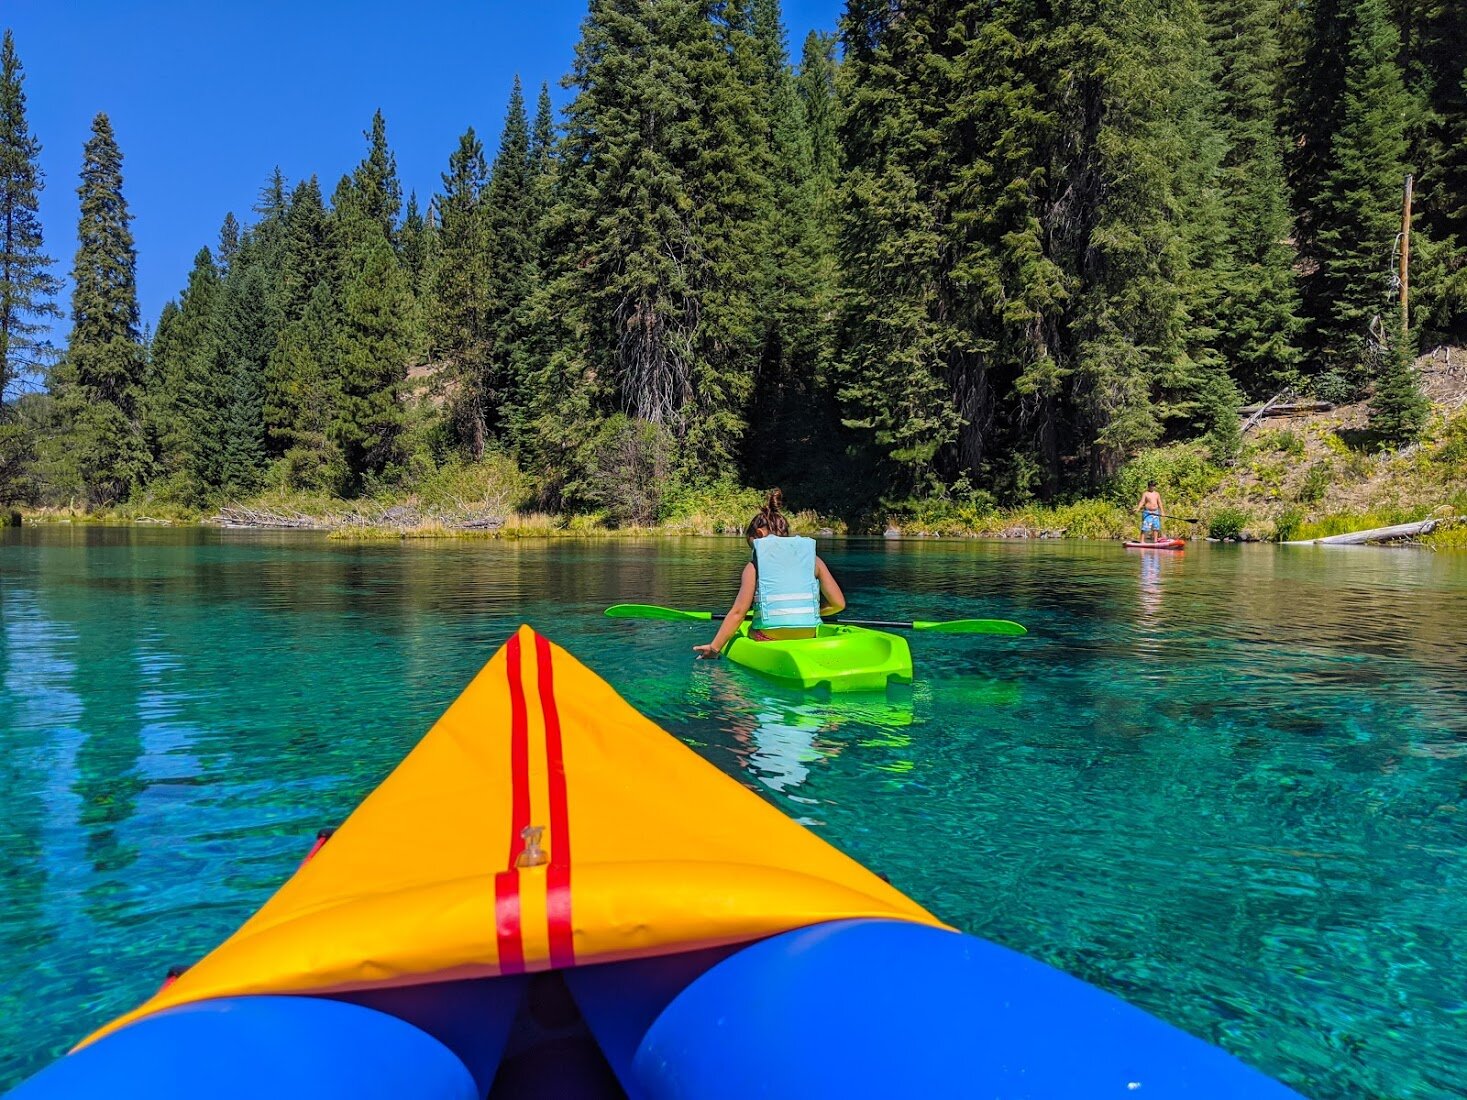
{"type": "Point", "coordinates": [1230, 785]}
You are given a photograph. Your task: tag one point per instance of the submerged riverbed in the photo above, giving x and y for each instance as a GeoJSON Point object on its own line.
{"type": "Point", "coordinates": [1229, 785]}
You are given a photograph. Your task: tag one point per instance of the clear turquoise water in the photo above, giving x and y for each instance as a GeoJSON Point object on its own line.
{"type": "Point", "coordinates": [1230, 786]}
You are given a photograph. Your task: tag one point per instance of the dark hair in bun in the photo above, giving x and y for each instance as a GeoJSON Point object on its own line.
{"type": "Point", "coordinates": [769, 520]}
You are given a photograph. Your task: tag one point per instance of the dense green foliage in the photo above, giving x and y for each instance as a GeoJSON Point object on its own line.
{"type": "Point", "coordinates": [979, 253]}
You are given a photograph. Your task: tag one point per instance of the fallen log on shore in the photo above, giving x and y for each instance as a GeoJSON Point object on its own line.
{"type": "Point", "coordinates": [1375, 534]}
{"type": "Point", "coordinates": [400, 518]}
{"type": "Point", "coordinates": [235, 515]}
{"type": "Point", "coordinates": [1279, 405]}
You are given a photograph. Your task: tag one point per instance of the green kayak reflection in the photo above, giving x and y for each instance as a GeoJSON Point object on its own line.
{"type": "Point", "coordinates": [781, 736]}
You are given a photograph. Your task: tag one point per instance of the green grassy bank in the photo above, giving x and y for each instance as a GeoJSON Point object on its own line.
{"type": "Point", "coordinates": [1307, 478]}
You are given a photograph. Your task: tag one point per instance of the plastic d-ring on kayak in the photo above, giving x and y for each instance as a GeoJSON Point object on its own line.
{"type": "Point", "coordinates": [842, 658]}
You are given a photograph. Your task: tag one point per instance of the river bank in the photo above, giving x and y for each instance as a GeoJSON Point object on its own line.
{"type": "Point", "coordinates": [1303, 477]}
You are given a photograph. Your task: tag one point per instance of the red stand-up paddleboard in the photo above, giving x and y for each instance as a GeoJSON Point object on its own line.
{"type": "Point", "coordinates": [1159, 544]}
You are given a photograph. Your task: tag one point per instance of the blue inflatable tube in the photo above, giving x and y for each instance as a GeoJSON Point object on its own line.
{"type": "Point", "coordinates": [890, 1009]}
{"type": "Point", "coordinates": [260, 1048]}
{"type": "Point", "coordinates": [846, 1009]}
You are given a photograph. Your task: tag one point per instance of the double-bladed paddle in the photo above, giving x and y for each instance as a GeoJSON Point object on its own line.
{"type": "Point", "coordinates": [952, 626]}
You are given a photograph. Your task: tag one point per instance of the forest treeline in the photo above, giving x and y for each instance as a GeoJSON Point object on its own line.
{"type": "Point", "coordinates": [958, 249]}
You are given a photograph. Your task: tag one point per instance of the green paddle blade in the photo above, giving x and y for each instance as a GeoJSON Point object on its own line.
{"type": "Point", "coordinates": [650, 611]}
{"type": "Point", "coordinates": [972, 626]}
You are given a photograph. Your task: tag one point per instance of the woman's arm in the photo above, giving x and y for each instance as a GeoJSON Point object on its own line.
{"type": "Point", "coordinates": [742, 602]}
{"type": "Point", "coordinates": [832, 599]}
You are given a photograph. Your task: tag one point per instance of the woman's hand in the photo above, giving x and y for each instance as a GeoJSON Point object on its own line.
{"type": "Point", "coordinates": [709, 652]}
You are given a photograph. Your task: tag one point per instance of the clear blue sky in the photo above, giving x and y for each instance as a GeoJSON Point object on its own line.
{"type": "Point", "coordinates": [208, 96]}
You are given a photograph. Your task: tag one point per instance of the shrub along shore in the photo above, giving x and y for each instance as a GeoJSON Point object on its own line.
{"type": "Point", "coordinates": [1315, 476]}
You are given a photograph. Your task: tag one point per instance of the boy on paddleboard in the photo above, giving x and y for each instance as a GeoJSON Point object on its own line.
{"type": "Point", "coordinates": [1150, 509]}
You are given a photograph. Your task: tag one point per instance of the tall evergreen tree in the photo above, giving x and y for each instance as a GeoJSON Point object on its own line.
{"type": "Point", "coordinates": [309, 249]}
{"type": "Point", "coordinates": [300, 378]}
{"type": "Point", "coordinates": [27, 287]}
{"type": "Point", "coordinates": [371, 353]}
{"type": "Point", "coordinates": [417, 244]}
{"type": "Point", "coordinates": [509, 216]}
{"type": "Point", "coordinates": [189, 390]}
{"type": "Point", "coordinates": [542, 134]}
{"type": "Point", "coordinates": [818, 96]}
{"type": "Point", "coordinates": [372, 194]}
{"type": "Point", "coordinates": [1357, 207]}
{"type": "Point", "coordinates": [229, 236]}
{"type": "Point", "coordinates": [793, 422]}
{"type": "Point", "coordinates": [99, 384]}
{"type": "Point", "coordinates": [157, 388]}
{"type": "Point", "coordinates": [657, 230]}
{"type": "Point", "coordinates": [1023, 238]}
{"type": "Point", "coordinates": [458, 319]}
{"type": "Point", "coordinates": [1259, 314]}
{"type": "Point", "coordinates": [301, 387]}
{"type": "Point", "coordinates": [248, 325]}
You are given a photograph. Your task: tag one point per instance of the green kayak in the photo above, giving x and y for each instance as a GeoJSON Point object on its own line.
{"type": "Point", "coordinates": [842, 658]}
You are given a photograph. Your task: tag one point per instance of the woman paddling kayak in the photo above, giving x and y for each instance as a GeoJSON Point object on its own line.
{"type": "Point", "coordinates": [785, 582]}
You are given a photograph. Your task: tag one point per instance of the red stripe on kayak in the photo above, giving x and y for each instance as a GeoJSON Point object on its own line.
{"type": "Point", "coordinates": [507, 883]}
{"type": "Point", "coordinates": [507, 922]}
{"type": "Point", "coordinates": [557, 875]}
{"type": "Point", "coordinates": [519, 753]}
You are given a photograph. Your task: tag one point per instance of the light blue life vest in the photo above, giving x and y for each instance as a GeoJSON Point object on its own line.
{"type": "Point", "coordinates": [787, 593]}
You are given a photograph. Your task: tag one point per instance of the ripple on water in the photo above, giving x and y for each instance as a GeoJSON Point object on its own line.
{"type": "Point", "coordinates": [1229, 785]}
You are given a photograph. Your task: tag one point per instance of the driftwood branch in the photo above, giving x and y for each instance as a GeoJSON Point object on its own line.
{"type": "Point", "coordinates": [466, 517]}
{"type": "Point", "coordinates": [1375, 534]}
{"type": "Point", "coordinates": [235, 515]}
{"type": "Point", "coordinates": [1249, 424]}
{"type": "Point", "coordinates": [1278, 405]}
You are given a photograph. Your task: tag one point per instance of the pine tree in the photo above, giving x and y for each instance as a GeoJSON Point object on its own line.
{"type": "Point", "coordinates": [458, 318]}
{"type": "Point", "coordinates": [794, 437]}
{"type": "Point", "coordinates": [99, 384]}
{"type": "Point", "coordinates": [299, 374]}
{"type": "Point", "coordinates": [657, 231]}
{"type": "Point", "coordinates": [1031, 213]}
{"type": "Point", "coordinates": [371, 364]}
{"type": "Point", "coordinates": [309, 251]}
{"type": "Point", "coordinates": [1316, 42]}
{"type": "Point", "coordinates": [1258, 313]}
{"type": "Point", "coordinates": [1195, 393]}
{"type": "Point", "coordinates": [535, 332]}
{"type": "Point", "coordinates": [1398, 408]}
{"type": "Point", "coordinates": [818, 96]}
{"type": "Point", "coordinates": [508, 210]}
{"type": "Point", "coordinates": [272, 201]}
{"type": "Point", "coordinates": [301, 387]}
{"type": "Point", "coordinates": [27, 287]}
{"type": "Point", "coordinates": [162, 357]}
{"type": "Point", "coordinates": [188, 393]}
{"type": "Point", "coordinates": [542, 134]}
{"type": "Point", "coordinates": [372, 195]}
{"type": "Point", "coordinates": [1357, 207]}
{"type": "Point", "coordinates": [1434, 62]}
{"type": "Point", "coordinates": [228, 242]}
{"type": "Point", "coordinates": [417, 244]}
{"type": "Point", "coordinates": [248, 326]}
{"type": "Point", "coordinates": [928, 119]}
